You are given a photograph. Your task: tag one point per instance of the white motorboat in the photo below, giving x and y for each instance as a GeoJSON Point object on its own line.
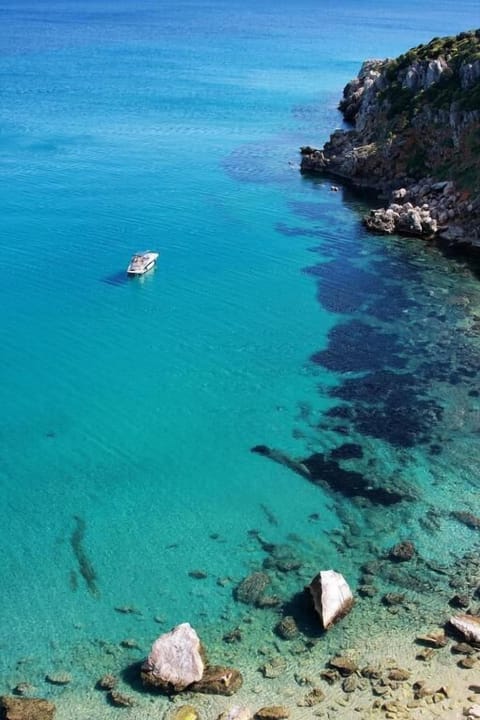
{"type": "Point", "coordinates": [142, 262]}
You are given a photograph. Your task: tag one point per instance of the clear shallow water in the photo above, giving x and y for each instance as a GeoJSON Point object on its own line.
{"type": "Point", "coordinates": [133, 405]}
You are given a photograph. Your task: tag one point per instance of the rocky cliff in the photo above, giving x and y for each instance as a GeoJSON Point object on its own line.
{"type": "Point", "coordinates": [415, 133]}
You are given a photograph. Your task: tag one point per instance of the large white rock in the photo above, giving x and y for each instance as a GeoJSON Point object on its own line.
{"type": "Point", "coordinates": [468, 625]}
{"type": "Point", "coordinates": [332, 596]}
{"type": "Point", "coordinates": [176, 659]}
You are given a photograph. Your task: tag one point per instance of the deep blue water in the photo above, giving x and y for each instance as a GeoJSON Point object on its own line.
{"type": "Point", "coordinates": [133, 405]}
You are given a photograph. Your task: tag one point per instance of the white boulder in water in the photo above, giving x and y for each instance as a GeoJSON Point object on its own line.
{"type": "Point", "coordinates": [175, 661]}
{"type": "Point", "coordinates": [468, 625]}
{"type": "Point", "coordinates": [332, 596]}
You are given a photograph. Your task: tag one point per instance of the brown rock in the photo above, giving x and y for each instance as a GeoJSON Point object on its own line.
{"type": "Point", "coordinates": [398, 674]}
{"type": "Point", "coordinates": [251, 589]}
{"type": "Point", "coordinates": [350, 684]}
{"type": "Point", "coordinates": [467, 518]}
{"type": "Point", "coordinates": [314, 697]}
{"type": "Point", "coordinates": [330, 676]}
{"type": "Point", "coordinates": [463, 649]}
{"type": "Point", "coordinates": [435, 639]}
{"type": "Point", "coordinates": [287, 628]}
{"type": "Point", "coordinates": [345, 665]}
{"type": "Point", "coordinates": [402, 552]}
{"type": "Point", "coordinates": [23, 688]}
{"type": "Point", "coordinates": [272, 712]}
{"type": "Point", "coordinates": [372, 673]}
{"type": "Point", "coordinates": [391, 599]}
{"type": "Point", "coordinates": [274, 668]}
{"type": "Point", "coordinates": [467, 663]}
{"type": "Point", "coordinates": [218, 680]}
{"type": "Point", "coordinates": [12, 708]}
{"type": "Point", "coordinates": [107, 682]}
{"type": "Point", "coordinates": [120, 700]}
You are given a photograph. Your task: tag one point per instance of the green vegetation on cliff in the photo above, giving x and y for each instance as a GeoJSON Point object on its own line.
{"type": "Point", "coordinates": [422, 111]}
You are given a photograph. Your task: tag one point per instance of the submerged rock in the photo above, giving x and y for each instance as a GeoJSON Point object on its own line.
{"type": "Point", "coordinates": [402, 552]}
{"type": "Point", "coordinates": [175, 661]}
{"type": "Point", "coordinates": [467, 518]}
{"type": "Point", "coordinates": [120, 699]}
{"type": "Point", "coordinates": [107, 682]}
{"type": "Point", "coordinates": [218, 680]}
{"type": "Point", "coordinates": [287, 628]}
{"type": "Point", "coordinates": [272, 712]}
{"type": "Point", "coordinates": [17, 708]}
{"type": "Point", "coordinates": [345, 665]}
{"type": "Point", "coordinates": [332, 596]}
{"type": "Point", "coordinates": [251, 588]}
{"type": "Point", "coordinates": [468, 625]}
{"type": "Point", "coordinates": [62, 678]}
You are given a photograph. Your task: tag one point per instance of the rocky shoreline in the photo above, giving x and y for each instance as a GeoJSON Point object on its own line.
{"type": "Point", "coordinates": [414, 139]}
{"type": "Point", "coordinates": [368, 664]}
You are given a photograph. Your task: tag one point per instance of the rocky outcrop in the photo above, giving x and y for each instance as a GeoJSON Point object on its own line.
{"type": "Point", "coordinates": [18, 708]}
{"type": "Point", "coordinates": [415, 127]}
{"type": "Point", "coordinates": [332, 597]}
{"type": "Point", "coordinates": [175, 661]}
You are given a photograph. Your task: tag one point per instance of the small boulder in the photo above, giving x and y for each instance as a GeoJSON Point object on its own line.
{"type": "Point", "coordinates": [402, 552]}
{"type": "Point", "coordinates": [272, 712]}
{"type": "Point", "coordinates": [175, 661]}
{"type": "Point", "coordinates": [107, 682]}
{"type": "Point", "coordinates": [345, 665]}
{"type": "Point", "coordinates": [251, 589]}
{"type": "Point", "coordinates": [218, 680]}
{"type": "Point", "coordinates": [119, 699]}
{"type": "Point", "coordinates": [19, 708]}
{"type": "Point", "coordinates": [287, 628]}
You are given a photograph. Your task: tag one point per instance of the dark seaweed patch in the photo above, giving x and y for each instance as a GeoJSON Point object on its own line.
{"type": "Point", "coordinates": [354, 290]}
{"type": "Point", "coordinates": [87, 571]}
{"type": "Point", "coordinates": [347, 451]}
{"type": "Point", "coordinates": [297, 231]}
{"type": "Point", "coordinates": [388, 405]}
{"type": "Point", "coordinates": [322, 471]}
{"type": "Point", "coordinates": [358, 347]}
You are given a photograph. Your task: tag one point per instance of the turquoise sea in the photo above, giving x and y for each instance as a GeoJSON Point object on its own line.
{"type": "Point", "coordinates": [129, 407]}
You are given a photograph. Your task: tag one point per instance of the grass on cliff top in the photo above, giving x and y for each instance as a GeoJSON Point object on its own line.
{"type": "Point", "coordinates": [456, 49]}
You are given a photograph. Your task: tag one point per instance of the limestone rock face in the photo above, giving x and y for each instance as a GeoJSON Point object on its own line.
{"type": "Point", "coordinates": [12, 708]}
{"type": "Point", "coordinates": [218, 680]}
{"type": "Point", "coordinates": [175, 661]}
{"type": "Point", "coordinates": [468, 625]}
{"type": "Point", "coordinates": [332, 596]}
